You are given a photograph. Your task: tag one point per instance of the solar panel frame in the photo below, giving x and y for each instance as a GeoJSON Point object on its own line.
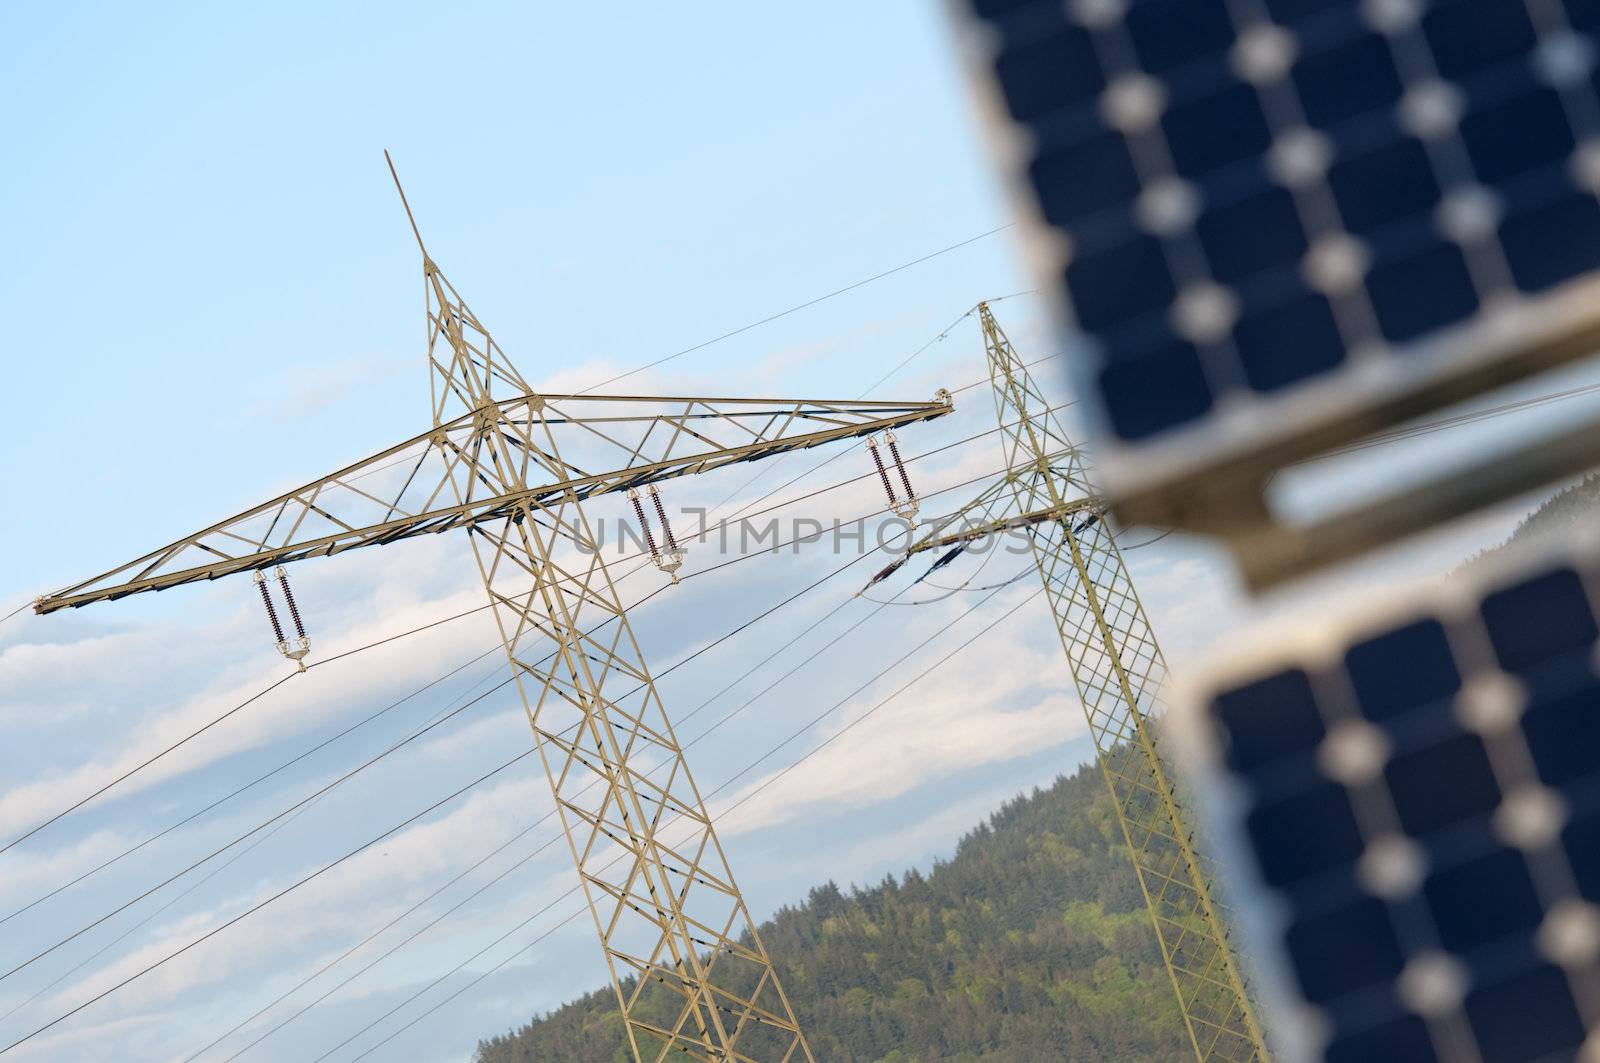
{"type": "Point", "coordinates": [1181, 263]}
{"type": "Point", "coordinates": [1438, 756]}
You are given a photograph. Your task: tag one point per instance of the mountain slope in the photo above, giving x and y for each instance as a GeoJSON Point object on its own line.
{"type": "Point", "coordinates": [1568, 508]}
{"type": "Point", "coordinates": [1030, 944]}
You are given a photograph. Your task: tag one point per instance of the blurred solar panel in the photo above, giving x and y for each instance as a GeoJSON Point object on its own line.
{"type": "Point", "coordinates": [1417, 804]}
{"type": "Point", "coordinates": [1276, 225]}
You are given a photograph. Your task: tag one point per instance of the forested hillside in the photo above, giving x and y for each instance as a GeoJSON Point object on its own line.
{"type": "Point", "coordinates": [1566, 509]}
{"type": "Point", "coordinates": [1031, 944]}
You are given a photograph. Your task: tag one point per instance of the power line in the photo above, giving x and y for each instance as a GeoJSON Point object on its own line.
{"type": "Point", "coordinates": [798, 307]}
{"type": "Point", "coordinates": [263, 692]}
{"type": "Point", "coordinates": [937, 338]}
{"type": "Point", "coordinates": [365, 845]}
{"type": "Point", "coordinates": [713, 727]}
{"type": "Point", "coordinates": [274, 818]}
{"type": "Point", "coordinates": [684, 661]}
{"type": "Point", "coordinates": [746, 770]}
{"type": "Point", "coordinates": [942, 334]}
{"type": "Point", "coordinates": [262, 904]}
{"type": "Point", "coordinates": [324, 790]}
{"type": "Point", "coordinates": [479, 863]}
{"type": "Point", "coordinates": [347, 953]}
{"type": "Point", "coordinates": [717, 816]}
{"type": "Point", "coordinates": [1458, 420]}
{"type": "Point", "coordinates": [120, 938]}
{"type": "Point", "coordinates": [191, 817]}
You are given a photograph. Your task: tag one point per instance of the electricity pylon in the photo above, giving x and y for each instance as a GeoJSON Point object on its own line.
{"type": "Point", "coordinates": [1118, 669]}
{"type": "Point", "coordinates": [513, 467]}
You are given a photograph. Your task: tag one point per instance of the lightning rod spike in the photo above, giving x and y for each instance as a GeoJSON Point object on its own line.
{"type": "Point", "coordinates": [407, 205]}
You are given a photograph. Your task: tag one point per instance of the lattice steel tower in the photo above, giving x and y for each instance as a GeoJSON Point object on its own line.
{"type": "Point", "coordinates": [513, 466]}
{"type": "Point", "coordinates": [1118, 669]}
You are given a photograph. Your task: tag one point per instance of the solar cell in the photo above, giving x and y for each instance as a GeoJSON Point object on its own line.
{"type": "Point", "coordinates": [1413, 795]}
{"type": "Point", "coordinates": [1277, 224]}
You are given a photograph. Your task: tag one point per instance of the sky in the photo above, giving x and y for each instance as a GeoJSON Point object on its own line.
{"type": "Point", "coordinates": [214, 296]}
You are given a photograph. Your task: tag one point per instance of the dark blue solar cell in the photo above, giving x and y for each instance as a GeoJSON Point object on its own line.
{"type": "Point", "coordinates": [1269, 719]}
{"type": "Point", "coordinates": [992, 9]}
{"type": "Point", "coordinates": [1482, 900]}
{"type": "Point", "coordinates": [1345, 950]}
{"type": "Point", "coordinates": [1402, 669]}
{"type": "Point", "coordinates": [1155, 392]}
{"type": "Point", "coordinates": [1526, 1018]}
{"type": "Point", "coordinates": [1564, 734]}
{"type": "Point", "coordinates": [1168, 33]}
{"type": "Point", "coordinates": [1421, 293]}
{"type": "Point", "coordinates": [1289, 343]}
{"type": "Point", "coordinates": [1473, 34]}
{"type": "Point", "coordinates": [1517, 136]}
{"type": "Point", "coordinates": [1212, 132]}
{"type": "Point", "coordinates": [1442, 784]}
{"type": "Point", "coordinates": [1383, 186]}
{"type": "Point", "coordinates": [1076, 180]}
{"type": "Point", "coordinates": [1262, 232]}
{"type": "Point", "coordinates": [1539, 619]}
{"type": "Point", "coordinates": [1045, 75]}
{"type": "Point", "coordinates": [1403, 1039]}
{"type": "Point", "coordinates": [1304, 835]}
{"type": "Point", "coordinates": [1553, 243]}
{"type": "Point", "coordinates": [1583, 14]}
{"type": "Point", "coordinates": [1284, 11]}
{"type": "Point", "coordinates": [1347, 81]}
{"type": "Point", "coordinates": [1581, 842]}
{"type": "Point", "coordinates": [1120, 283]}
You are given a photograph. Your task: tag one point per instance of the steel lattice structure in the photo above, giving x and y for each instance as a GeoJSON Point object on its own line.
{"type": "Point", "coordinates": [513, 467]}
{"type": "Point", "coordinates": [1118, 668]}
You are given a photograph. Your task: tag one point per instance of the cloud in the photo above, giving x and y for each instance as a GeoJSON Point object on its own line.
{"type": "Point", "coordinates": [90, 1042]}
{"type": "Point", "coordinates": [303, 703]}
{"type": "Point", "coordinates": [959, 718]}
{"type": "Point", "coordinates": [312, 387]}
{"type": "Point", "coordinates": [352, 898]}
{"type": "Point", "coordinates": [30, 874]}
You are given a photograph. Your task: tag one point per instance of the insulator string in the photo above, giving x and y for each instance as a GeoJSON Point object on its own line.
{"type": "Point", "coordinates": [900, 466]}
{"type": "Point", "coordinates": [883, 474]}
{"type": "Point", "coordinates": [266, 600]}
{"type": "Point", "coordinates": [661, 511]}
{"type": "Point", "coordinates": [644, 525]}
{"type": "Point", "coordinates": [288, 597]}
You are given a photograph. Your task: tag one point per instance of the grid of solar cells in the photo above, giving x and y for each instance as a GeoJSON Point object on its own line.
{"type": "Point", "coordinates": [1427, 808]}
{"type": "Point", "coordinates": [1256, 194]}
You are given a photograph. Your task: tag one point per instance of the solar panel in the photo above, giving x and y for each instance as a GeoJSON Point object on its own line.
{"type": "Point", "coordinates": [1414, 802]}
{"type": "Point", "coordinates": [1276, 225]}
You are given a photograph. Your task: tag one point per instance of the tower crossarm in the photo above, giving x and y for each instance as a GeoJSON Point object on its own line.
{"type": "Point", "coordinates": [609, 443]}
{"type": "Point", "coordinates": [996, 510]}
{"type": "Point", "coordinates": [1091, 508]}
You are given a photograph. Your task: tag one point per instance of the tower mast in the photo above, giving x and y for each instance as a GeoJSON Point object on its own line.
{"type": "Point", "coordinates": [1118, 669]}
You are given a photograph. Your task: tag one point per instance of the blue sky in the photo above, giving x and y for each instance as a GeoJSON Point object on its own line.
{"type": "Point", "coordinates": [213, 295]}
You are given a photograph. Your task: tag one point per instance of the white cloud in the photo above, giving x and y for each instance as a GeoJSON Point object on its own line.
{"type": "Point", "coordinates": [352, 898]}
{"type": "Point", "coordinates": [127, 739]}
{"type": "Point", "coordinates": [958, 718]}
